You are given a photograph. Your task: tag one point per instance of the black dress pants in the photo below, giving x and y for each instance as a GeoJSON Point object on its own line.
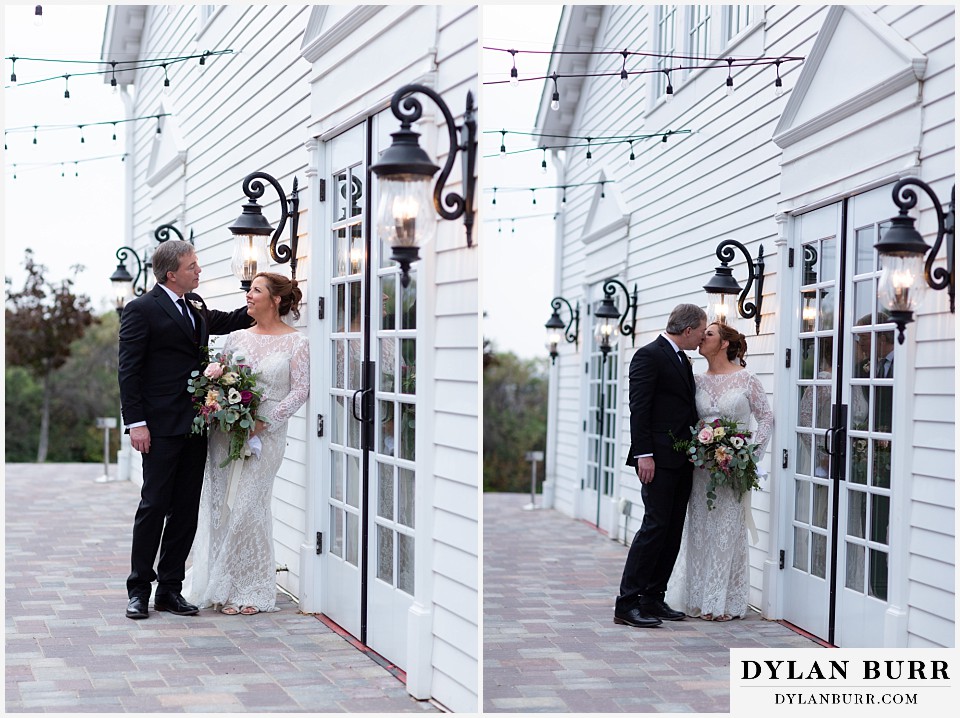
{"type": "Point", "coordinates": [166, 519]}
{"type": "Point", "coordinates": [656, 545]}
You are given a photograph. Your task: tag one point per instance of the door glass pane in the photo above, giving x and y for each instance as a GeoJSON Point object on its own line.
{"type": "Point", "coordinates": [801, 549]}
{"type": "Point", "coordinates": [884, 358]}
{"type": "Point", "coordinates": [338, 364]}
{"type": "Point", "coordinates": [388, 313]}
{"type": "Point", "coordinates": [336, 475]}
{"type": "Point", "coordinates": [353, 481]}
{"type": "Point", "coordinates": [828, 259]}
{"type": "Point", "coordinates": [356, 195]}
{"type": "Point", "coordinates": [353, 539]}
{"type": "Point", "coordinates": [810, 256]}
{"type": "Point", "coordinates": [356, 306]}
{"type": "Point", "coordinates": [405, 580]}
{"type": "Point", "coordinates": [881, 464]}
{"type": "Point", "coordinates": [385, 554]}
{"type": "Point", "coordinates": [822, 459]}
{"type": "Point", "coordinates": [336, 520]}
{"type": "Point", "coordinates": [341, 299]}
{"type": "Point", "coordinates": [406, 498]}
{"type": "Point", "coordinates": [858, 465]}
{"type": "Point", "coordinates": [340, 196]}
{"type": "Point", "coordinates": [820, 508]}
{"type": "Point", "coordinates": [407, 431]}
{"type": "Point", "coordinates": [861, 355]}
{"type": "Point", "coordinates": [882, 408]}
{"type": "Point", "coordinates": [818, 558]}
{"type": "Point", "coordinates": [408, 366]}
{"type": "Point", "coordinates": [864, 296]}
{"type": "Point", "coordinates": [354, 363]}
{"type": "Point", "coordinates": [353, 426]}
{"type": "Point", "coordinates": [356, 248]}
{"type": "Point", "coordinates": [864, 249]}
{"type": "Point", "coordinates": [827, 309]}
{"type": "Point", "coordinates": [806, 358]}
{"type": "Point", "coordinates": [859, 406]}
{"type": "Point", "coordinates": [385, 491]}
{"type": "Point", "coordinates": [408, 303]}
{"type": "Point", "coordinates": [878, 574]}
{"type": "Point", "coordinates": [801, 501]}
{"type": "Point", "coordinates": [854, 568]}
{"type": "Point", "coordinates": [388, 352]}
{"type": "Point", "coordinates": [808, 310]}
{"type": "Point", "coordinates": [803, 454]}
{"type": "Point", "coordinates": [805, 406]}
{"type": "Point", "coordinates": [856, 514]}
{"type": "Point", "coordinates": [879, 518]}
{"type": "Point", "coordinates": [342, 252]}
{"type": "Point", "coordinates": [336, 420]}
{"type": "Point", "coordinates": [823, 407]}
{"type": "Point", "coordinates": [386, 428]}
{"type": "Point", "coordinates": [825, 367]}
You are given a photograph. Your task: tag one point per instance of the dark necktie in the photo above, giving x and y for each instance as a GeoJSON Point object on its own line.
{"type": "Point", "coordinates": [187, 317]}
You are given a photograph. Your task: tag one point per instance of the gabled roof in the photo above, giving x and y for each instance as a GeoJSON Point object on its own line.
{"type": "Point", "coordinates": [856, 61]}
{"type": "Point", "coordinates": [122, 36]}
{"type": "Point", "coordinates": [577, 30]}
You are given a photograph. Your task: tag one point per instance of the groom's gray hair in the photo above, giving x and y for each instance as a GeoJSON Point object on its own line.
{"type": "Point", "coordinates": [167, 257]}
{"type": "Point", "coordinates": [683, 316]}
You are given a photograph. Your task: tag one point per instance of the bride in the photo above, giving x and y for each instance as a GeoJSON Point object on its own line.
{"type": "Point", "coordinates": [711, 579]}
{"type": "Point", "coordinates": [233, 559]}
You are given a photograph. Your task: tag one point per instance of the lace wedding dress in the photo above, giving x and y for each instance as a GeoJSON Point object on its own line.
{"type": "Point", "coordinates": [711, 573]}
{"type": "Point", "coordinates": [233, 556]}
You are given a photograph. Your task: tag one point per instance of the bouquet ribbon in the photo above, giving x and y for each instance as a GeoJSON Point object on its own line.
{"type": "Point", "coordinates": [233, 484]}
{"type": "Point", "coordinates": [748, 519]}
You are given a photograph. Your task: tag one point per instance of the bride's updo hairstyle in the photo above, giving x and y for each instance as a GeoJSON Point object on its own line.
{"type": "Point", "coordinates": [288, 291]}
{"type": "Point", "coordinates": [738, 343]}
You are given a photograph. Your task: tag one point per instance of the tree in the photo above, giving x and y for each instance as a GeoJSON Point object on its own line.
{"type": "Point", "coordinates": [42, 321]}
{"type": "Point", "coordinates": [514, 419]}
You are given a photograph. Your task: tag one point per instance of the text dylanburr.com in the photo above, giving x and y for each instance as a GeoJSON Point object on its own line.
{"type": "Point", "coordinates": [844, 681]}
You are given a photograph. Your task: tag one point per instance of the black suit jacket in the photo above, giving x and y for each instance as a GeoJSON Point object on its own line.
{"type": "Point", "coordinates": [158, 351]}
{"type": "Point", "coordinates": [662, 401]}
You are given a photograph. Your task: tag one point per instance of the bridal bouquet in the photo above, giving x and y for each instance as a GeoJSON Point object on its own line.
{"type": "Point", "coordinates": [225, 396]}
{"type": "Point", "coordinates": [723, 450]}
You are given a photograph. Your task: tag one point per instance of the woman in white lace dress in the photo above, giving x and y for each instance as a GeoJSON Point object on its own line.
{"type": "Point", "coordinates": [711, 578]}
{"type": "Point", "coordinates": [234, 569]}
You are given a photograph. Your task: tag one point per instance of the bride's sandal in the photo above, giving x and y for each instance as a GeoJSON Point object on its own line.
{"type": "Point", "coordinates": [229, 609]}
{"type": "Point", "coordinates": [249, 610]}
{"type": "Point", "coordinates": [723, 619]}
{"type": "Point", "coordinates": [705, 616]}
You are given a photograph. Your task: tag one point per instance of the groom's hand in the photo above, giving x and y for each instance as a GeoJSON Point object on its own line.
{"type": "Point", "coordinates": [140, 439]}
{"type": "Point", "coordinates": [645, 468]}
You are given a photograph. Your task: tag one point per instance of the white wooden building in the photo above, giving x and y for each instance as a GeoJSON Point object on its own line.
{"type": "Point", "coordinates": [382, 536]}
{"type": "Point", "coordinates": [807, 175]}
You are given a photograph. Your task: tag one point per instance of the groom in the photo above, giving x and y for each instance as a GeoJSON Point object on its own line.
{"type": "Point", "coordinates": [161, 335]}
{"type": "Point", "coordinates": [662, 410]}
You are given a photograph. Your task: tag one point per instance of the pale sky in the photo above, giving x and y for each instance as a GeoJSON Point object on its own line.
{"type": "Point", "coordinates": [67, 219]}
{"type": "Point", "coordinates": [518, 267]}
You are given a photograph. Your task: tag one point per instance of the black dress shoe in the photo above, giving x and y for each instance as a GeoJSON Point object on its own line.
{"type": "Point", "coordinates": [637, 618]}
{"type": "Point", "coordinates": [174, 603]}
{"type": "Point", "coordinates": [661, 610]}
{"type": "Point", "coordinates": [137, 608]}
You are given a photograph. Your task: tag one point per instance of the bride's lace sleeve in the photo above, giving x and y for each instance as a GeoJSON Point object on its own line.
{"type": "Point", "coordinates": [761, 412]}
{"type": "Point", "coordinates": [299, 384]}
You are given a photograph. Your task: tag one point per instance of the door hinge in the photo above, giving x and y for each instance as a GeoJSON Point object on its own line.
{"type": "Point", "coordinates": [320, 543]}
{"type": "Point", "coordinates": [782, 558]}
{"type": "Point", "coordinates": [322, 307]}
{"type": "Point", "coordinates": [788, 359]}
{"type": "Point", "coordinates": [319, 425]}
{"type": "Point", "coordinates": [586, 367]}
{"type": "Point", "coordinates": [786, 458]}
{"type": "Point", "coordinates": [789, 264]}
{"type": "Point", "coordinates": [584, 425]}
{"type": "Point", "coordinates": [322, 191]}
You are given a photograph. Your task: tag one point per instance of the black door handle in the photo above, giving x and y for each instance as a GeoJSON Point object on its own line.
{"type": "Point", "coordinates": [353, 405]}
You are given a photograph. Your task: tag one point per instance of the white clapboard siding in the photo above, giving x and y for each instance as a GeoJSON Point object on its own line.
{"type": "Point", "coordinates": [724, 181]}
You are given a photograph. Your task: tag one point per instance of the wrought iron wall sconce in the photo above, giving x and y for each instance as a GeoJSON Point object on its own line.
{"type": "Point", "coordinates": [405, 218]}
{"type": "Point", "coordinates": [610, 321]}
{"type": "Point", "coordinates": [251, 253]}
{"type": "Point", "coordinates": [557, 330]}
{"type": "Point", "coordinates": [125, 285]}
{"type": "Point", "coordinates": [725, 286]}
{"type": "Point", "coordinates": [901, 250]}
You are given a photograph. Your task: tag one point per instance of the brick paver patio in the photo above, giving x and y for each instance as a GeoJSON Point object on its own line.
{"type": "Point", "coordinates": [69, 646]}
{"type": "Point", "coordinates": [550, 644]}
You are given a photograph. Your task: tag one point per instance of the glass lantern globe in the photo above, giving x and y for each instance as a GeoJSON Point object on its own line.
{"type": "Point", "coordinates": [405, 213]}
{"type": "Point", "coordinates": [250, 256]}
{"type": "Point", "coordinates": [901, 285]}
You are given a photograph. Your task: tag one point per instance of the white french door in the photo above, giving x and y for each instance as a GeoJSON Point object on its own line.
{"type": "Point", "coordinates": [842, 371]}
{"type": "Point", "coordinates": [370, 493]}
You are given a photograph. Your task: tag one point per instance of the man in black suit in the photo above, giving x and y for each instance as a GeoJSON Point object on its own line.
{"type": "Point", "coordinates": [662, 409]}
{"type": "Point", "coordinates": [161, 338]}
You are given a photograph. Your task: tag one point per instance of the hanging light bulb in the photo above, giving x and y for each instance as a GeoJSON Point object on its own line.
{"type": "Point", "coordinates": [632, 156]}
{"type": "Point", "coordinates": [38, 15]}
{"type": "Point", "coordinates": [114, 131]}
{"type": "Point", "coordinates": [62, 173]}
{"type": "Point", "coordinates": [668, 93]}
{"type": "Point", "coordinates": [494, 195]}
{"type": "Point", "coordinates": [603, 194]}
{"type": "Point", "coordinates": [13, 69]}
{"type": "Point", "coordinates": [624, 77]}
{"type": "Point", "coordinates": [543, 162]}
{"type": "Point", "coordinates": [166, 80]}
{"type": "Point", "coordinates": [503, 146]}
{"type": "Point", "coordinates": [513, 226]}
{"type": "Point", "coordinates": [76, 169]}
{"type": "Point", "coordinates": [66, 85]}
{"type": "Point", "coordinates": [778, 83]}
{"type": "Point", "coordinates": [514, 76]}
{"type": "Point", "coordinates": [159, 130]}
{"type": "Point", "coordinates": [82, 140]}
{"type": "Point", "coordinates": [564, 200]}
{"type": "Point", "coordinates": [113, 77]}
{"type": "Point", "coordinates": [34, 134]}
{"type": "Point", "coordinates": [499, 227]}
{"type": "Point", "coordinates": [589, 154]}
{"type": "Point", "coordinates": [203, 60]}
{"type": "Point", "coordinates": [14, 168]}
{"type": "Point", "coordinates": [555, 102]}
{"type": "Point", "coordinates": [729, 75]}
{"type": "Point", "coordinates": [534, 192]}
